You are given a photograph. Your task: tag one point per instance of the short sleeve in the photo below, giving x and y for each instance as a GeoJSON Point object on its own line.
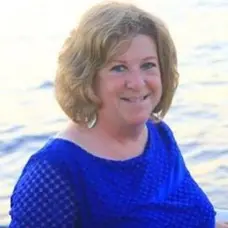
{"type": "Point", "coordinates": [42, 197]}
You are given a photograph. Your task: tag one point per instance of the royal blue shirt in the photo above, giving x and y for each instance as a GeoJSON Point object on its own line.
{"type": "Point", "coordinates": [62, 185]}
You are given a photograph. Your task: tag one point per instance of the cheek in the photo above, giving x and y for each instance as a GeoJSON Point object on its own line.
{"type": "Point", "coordinates": [155, 83]}
{"type": "Point", "coordinates": [114, 86]}
{"type": "Point", "coordinates": [110, 90]}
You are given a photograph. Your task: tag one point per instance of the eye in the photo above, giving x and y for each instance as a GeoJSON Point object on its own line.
{"type": "Point", "coordinates": [147, 66]}
{"type": "Point", "coordinates": [119, 68]}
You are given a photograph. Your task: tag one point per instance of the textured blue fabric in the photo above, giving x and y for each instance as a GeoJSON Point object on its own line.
{"type": "Point", "coordinates": [64, 186]}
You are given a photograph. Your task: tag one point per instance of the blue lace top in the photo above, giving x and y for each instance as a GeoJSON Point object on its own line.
{"type": "Point", "coordinates": [62, 185]}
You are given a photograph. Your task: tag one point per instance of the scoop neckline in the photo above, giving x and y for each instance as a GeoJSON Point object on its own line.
{"type": "Point", "coordinates": [79, 149]}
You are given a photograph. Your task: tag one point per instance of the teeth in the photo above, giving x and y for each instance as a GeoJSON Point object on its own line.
{"type": "Point", "coordinates": [136, 99]}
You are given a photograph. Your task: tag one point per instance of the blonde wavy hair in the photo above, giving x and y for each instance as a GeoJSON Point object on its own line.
{"type": "Point", "coordinates": [94, 42]}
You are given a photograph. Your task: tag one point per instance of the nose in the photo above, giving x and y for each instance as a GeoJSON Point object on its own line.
{"type": "Point", "coordinates": [135, 81]}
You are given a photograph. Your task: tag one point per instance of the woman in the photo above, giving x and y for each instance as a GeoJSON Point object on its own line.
{"type": "Point", "coordinates": [116, 164]}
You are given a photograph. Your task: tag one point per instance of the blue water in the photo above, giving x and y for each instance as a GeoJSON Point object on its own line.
{"type": "Point", "coordinates": [31, 35]}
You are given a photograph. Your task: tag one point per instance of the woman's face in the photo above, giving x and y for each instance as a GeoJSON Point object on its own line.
{"type": "Point", "coordinates": [130, 85]}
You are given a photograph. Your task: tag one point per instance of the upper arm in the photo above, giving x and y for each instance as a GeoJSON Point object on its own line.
{"type": "Point", "coordinates": [42, 198]}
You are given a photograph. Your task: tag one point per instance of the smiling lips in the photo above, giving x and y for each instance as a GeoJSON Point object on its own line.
{"type": "Point", "coordinates": [135, 99]}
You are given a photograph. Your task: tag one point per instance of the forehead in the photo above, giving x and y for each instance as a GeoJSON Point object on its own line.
{"type": "Point", "coordinates": [139, 47]}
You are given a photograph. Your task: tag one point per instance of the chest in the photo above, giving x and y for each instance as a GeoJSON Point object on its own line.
{"type": "Point", "coordinates": [134, 202]}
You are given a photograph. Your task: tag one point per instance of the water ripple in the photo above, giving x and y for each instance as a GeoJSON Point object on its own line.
{"type": "Point", "coordinates": [212, 4]}
{"type": "Point", "coordinates": [198, 116]}
{"type": "Point", "coordinates": [12, 129]}
{"type": "Point", "coordinates": [45, 85]}
{"type": "Point", "coordinates": [22, 141]}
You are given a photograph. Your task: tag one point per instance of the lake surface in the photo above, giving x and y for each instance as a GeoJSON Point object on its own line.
{"type": "Point", "coordinates": [32, 33]}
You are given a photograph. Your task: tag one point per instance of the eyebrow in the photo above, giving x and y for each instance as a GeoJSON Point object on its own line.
{"type": "Point", "coordinates": [144, 59]}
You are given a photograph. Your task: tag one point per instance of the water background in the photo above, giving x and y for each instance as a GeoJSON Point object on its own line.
{"type": "Point", "coordinates": [31, 33]}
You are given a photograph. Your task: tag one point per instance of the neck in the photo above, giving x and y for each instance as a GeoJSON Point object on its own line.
{"type": "Point", "coordinates": [121, 133]}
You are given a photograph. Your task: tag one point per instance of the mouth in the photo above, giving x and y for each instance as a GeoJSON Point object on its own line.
{"type": "Point", "coordinates": [135, 99]}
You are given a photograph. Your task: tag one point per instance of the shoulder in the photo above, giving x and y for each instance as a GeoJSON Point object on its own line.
{"type": "Point", "coordinates": [164, 132]}
{"type": "Point", "coordinates": [53, 155]}
{"type": "Point", "coordinates": [165, 137]}
{"type": "Point", "coordinates": [164, 129]}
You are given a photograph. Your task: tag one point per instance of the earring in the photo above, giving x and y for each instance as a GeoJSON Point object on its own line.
{"type": "Point", "coordinates": [93, 122]}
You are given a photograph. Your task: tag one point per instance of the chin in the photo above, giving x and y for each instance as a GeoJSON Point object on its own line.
{"type": "Point", "coordinates": [138, 120]}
